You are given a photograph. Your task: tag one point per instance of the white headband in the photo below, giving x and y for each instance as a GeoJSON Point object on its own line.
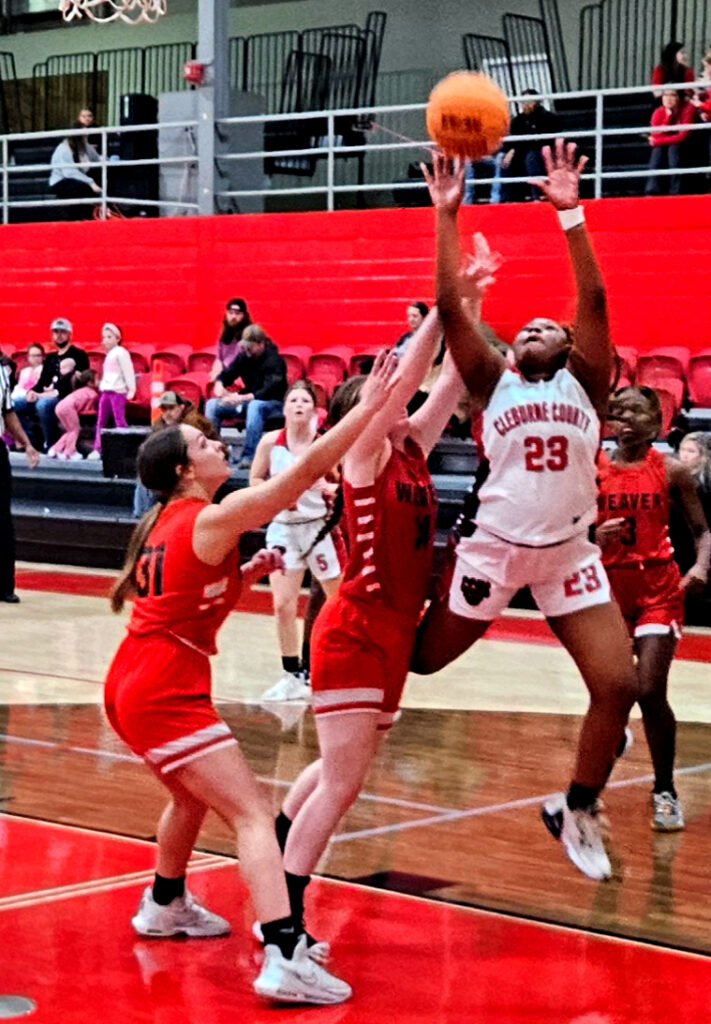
{"type": "Point", "coordinates": [113, 328]}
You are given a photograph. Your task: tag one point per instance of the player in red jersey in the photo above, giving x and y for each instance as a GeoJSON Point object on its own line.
{"type": "Point", "coordinates": [362, 640]}
{"type": "Point", "coordinates": [182, 568]}
{"type": "Point", "coordinates": [636, 483]}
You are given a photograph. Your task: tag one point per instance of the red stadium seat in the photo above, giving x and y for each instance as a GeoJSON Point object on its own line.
{"type": "Point", "coordinates": [662, 363]}
{"type": "Point", "coordinates": [96, 359]}
{"type": "Point", "coordinates": [202, 361]}
{"type": "Point", "coordinates": [190, 386]}
{"type": "Point", "coordinates": [699, 378]}
{"type": "Point", "coordinates": [140, 361]}
{"type": "Point", "coordinates": [297, 359]}
{"type": "Point", "coordinates": [329, 367]}
{"type": "Point", "coordinates": [20, 359]}
{"type": "Point", "coordinates": [138, 408]}
{"type": "Point", "coordinates": [362, 360]}
{"type": "Point", "coordinates": [670, 392]}
{"type": "Point", "coordinates": [174, 359]}
{"type": "Point", "coordinates": [628, 360]}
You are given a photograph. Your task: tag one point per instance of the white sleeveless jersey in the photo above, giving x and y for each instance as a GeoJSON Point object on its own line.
{"type": "Point", "coordinates": [540, 439]}
{"type": "Point", "coordinates": [310, 505]}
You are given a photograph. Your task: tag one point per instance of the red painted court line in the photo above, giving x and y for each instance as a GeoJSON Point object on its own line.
{"type": "Point", "coordinates": [409, 960]}
{"type": "Point", "coordinates": [692, 647]}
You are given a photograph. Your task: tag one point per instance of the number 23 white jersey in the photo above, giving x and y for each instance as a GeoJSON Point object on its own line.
{"type": "Point", "coordinates": [540, 439]}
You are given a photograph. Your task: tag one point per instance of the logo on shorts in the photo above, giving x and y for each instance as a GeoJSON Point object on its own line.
{"type": "Point", "coordinates": [475, 591]}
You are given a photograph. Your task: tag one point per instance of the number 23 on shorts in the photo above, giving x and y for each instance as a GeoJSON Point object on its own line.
{"type": "Point", "coordinates": [585, 581]}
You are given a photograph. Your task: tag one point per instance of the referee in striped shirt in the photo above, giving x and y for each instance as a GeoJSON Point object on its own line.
{"type": "Point", "coordinates": [10, 423]}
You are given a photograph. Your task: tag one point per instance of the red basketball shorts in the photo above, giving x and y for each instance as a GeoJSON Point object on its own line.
{"type": "Point", "coordinates": [157, 698]}
{"type": "Point", "coordinates": [650, 597]}
{"type": "Point", "coordinates": [360, 657]}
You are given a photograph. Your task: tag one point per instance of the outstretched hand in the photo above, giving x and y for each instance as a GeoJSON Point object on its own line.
{"type": "Point", "coordinates": [264, 562]}
{"type": "Point", "coordinates": [446, 182]}
{"type": "Point", "coordinates": [377, 388]}
{"type": "Point", "coordinates": [563, 172]}
{"type": "Point", "coordinates": [479, 270]}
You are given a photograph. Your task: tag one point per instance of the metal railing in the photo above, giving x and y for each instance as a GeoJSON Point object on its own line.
{"type": "Point", "coordinates": [613, 168]}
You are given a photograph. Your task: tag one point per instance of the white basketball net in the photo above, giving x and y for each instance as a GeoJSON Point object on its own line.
{"type": "Point", "coordinates": [102, 11]}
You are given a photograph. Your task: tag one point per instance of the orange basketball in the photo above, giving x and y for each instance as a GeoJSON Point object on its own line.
{"type": "Point", "coordinates": [467, 115]}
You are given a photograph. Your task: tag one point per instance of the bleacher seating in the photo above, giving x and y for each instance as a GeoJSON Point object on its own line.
{"type": "Point", "coordinates": [699, 378]}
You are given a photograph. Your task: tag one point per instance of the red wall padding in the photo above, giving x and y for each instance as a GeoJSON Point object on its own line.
{"type": "Point", "coordinates": [345, 278]}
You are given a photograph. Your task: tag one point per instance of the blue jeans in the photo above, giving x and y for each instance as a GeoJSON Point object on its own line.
{"type": "Point", "coordinates": [257, 412]}
{"type": "Point", "coordinates": [29, 413]}
{"type": "Point", "coordinates": [143, 500]}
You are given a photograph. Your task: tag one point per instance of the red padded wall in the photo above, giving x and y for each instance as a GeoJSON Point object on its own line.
{"type": "Point", "coordinates": [345, 278]}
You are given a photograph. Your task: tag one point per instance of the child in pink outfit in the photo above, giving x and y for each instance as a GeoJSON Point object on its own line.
{"type": "Point", "coordinates": [118, 384]}
{"type": "Point", "coordinates": [81, 401]}
{"type": "Point", "coordinates": [30, 374]}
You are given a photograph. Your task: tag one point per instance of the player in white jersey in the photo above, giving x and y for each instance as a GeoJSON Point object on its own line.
{"type": "Point", "coordinates": [295, 532]}
{"type": "Point", "coordinates": [537, 495]}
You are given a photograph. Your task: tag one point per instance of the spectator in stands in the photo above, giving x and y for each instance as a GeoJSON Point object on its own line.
{"type": "Point", "coordinates": [29, 374]}
{"type": "Point", "coordinates": [118, 384]}
{"type": "Point", "coordinates": [173, 410]}
{"type": "Point", "coordinates": [85, 118]}
{"type": "Point", "coordinates": [695, 454]}
{"type": "Point", "coordinates": [80, 402]}
{"type": "Point", "coordinates": [701, 100]}
{"type": "Point", "coordinates": [36, 409]}
{"type": "Point", "coordinates": [70, 177]}
{"type": "Point", "coordinates": [669, 148]}
{"type": "Point", "coordinates": [9, 423]}
{"type": "Point", "coordinates": [523, 159]}
{"type": "Point", "coordinates": [673, 67]}
{"type": "Point", "coordinates": [262, 372]}
{"type": "Point", "coordinates": [235, 322]}
{"type": "Point", "coordinates": [414, 314]}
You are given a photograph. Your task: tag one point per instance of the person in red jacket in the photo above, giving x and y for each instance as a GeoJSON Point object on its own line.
{"type": "Point", "coordinates": [636, 484]}
{"type": "Point", "coordinates": [673, 67]}
{"type": "Point", "coordinates": [668, 146]}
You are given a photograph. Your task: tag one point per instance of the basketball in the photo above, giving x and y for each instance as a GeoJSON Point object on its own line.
{"type": "Point", "coordinates": [467, 115]}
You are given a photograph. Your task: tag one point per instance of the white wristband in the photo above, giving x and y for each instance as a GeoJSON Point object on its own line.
{"type": "Point", "coordinates": [571, 218]}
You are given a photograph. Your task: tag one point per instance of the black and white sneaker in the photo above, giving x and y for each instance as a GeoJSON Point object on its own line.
{"type": "Point", "coordinates": [579, 832]}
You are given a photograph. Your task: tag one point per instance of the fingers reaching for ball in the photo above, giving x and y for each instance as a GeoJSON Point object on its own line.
{"type": "Point", "coordinates": [561, 184]}
{"type": "Point", "coordinates": [446, 182]}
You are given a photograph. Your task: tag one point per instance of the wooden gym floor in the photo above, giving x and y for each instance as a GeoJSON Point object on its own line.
{"type": "Point", "coordinates": [449, 817]}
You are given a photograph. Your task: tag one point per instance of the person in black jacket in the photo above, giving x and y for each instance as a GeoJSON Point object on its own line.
{"type": "Point", "coordinates": [37, 407]}
{"type": "Point", "coordinates": [262, 373]}
{"type": "Point", "coordinates": [524, 158]}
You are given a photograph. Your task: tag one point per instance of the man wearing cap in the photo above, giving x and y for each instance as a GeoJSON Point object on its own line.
{"type": "Point", "coordinates": [234, 324]}
{"type": "Point", "coordinates": [10, 423]}
{"type": "Point", "coordinates": [34, 408]}
{"type": "Point", "coordinates": [262, 372]}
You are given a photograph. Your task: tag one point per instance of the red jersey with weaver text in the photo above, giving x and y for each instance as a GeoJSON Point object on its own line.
{"type": "Point", "coordinates": [639, 493]}
{"type": "Point", "coordinates": [177, 594]}
{"type": "Point", "coordinates": [391, 526]}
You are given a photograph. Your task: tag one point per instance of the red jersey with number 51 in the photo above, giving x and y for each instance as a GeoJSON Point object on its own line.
{"type": "Point", "coordinates": [639, 494]}
{"type": "Point", "coordinates": [540, 439]}
{"type": "Point", "coordinates": [176, 593]}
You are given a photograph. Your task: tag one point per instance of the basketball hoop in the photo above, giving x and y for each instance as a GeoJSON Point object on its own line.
{"type": "Point", "coordinates": [102, 11]}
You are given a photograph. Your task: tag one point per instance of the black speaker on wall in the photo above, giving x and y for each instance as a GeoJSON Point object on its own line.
{"type": "Point", "coordinates": [119, 448]}
{"type": "Point", "coordinates": [137, 182]}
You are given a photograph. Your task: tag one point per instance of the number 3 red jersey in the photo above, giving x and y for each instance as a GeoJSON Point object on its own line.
{"type": "Point", "coordinates": [639, 494]}
{"type": "Point", "coordinates": [539, 439]}
{"type": "Point", "coordinates": [176, 593]}
{"type": "Point", "coordinates": [391, 526]}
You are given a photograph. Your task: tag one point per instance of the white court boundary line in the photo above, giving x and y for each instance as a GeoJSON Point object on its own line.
{"type": "Point", "coordinates": [440, 815]}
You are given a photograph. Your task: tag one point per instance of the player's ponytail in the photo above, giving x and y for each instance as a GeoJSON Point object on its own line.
{"type": "Point", "coordinates": [159, 458]}
{"type": "Point", "coordinates": [331, 520]}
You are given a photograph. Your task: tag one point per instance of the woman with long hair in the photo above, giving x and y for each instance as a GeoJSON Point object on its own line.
{"type": "Point", "coordinates": [636, 485]}
{"type": "Point", "coordinates": [69, 178]}
{"type": "Point", "coordinates": [234, 323]}
{"type": "Point", "coordinates": [182, 568]}
{"type": "Point", "coordinates": [363, 638]}
{"type": "Point", "coordinates": [540, 433]}
{"type": "Point", "coordinates": [295, 531]}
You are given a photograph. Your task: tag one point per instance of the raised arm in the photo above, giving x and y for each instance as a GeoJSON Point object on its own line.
{"type": "Point", "coordinates": [218, 527]}
{"type": "Point", "coordinates": [478, 363]}
{"type": "Point", "coordinates": [427, 424]}
{"type": "Point", "coordinates": [683, 483]}
{"type": "Point", "coordinates": [419, 355]}
{"type": "Point", "coordinates": [590, 359]}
